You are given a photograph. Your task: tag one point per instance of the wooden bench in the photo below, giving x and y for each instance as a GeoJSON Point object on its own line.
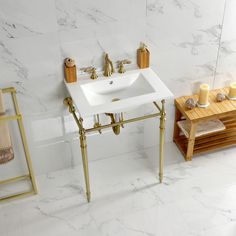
{"type": "Point", "coordinates": [224, 111]}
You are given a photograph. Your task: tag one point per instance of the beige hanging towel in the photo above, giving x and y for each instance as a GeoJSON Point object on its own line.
{"type": "Point", "coordinates": [6, 150]}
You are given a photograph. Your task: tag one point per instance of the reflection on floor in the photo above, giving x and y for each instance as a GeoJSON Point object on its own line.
{"type": "Point", "coordinates": [196, 199]}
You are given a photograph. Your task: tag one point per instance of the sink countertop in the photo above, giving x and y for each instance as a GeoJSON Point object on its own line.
{"type": "Point", "coordinates": [88, 102]}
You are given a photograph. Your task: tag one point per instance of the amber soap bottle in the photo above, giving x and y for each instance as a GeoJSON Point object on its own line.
{"type": "Point", "coordinates": [70, 70]}
{"type": "Point", "coordinates": [143, 56]}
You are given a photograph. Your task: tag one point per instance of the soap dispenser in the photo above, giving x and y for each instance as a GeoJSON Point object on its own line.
{"type": "Point", "coordinates": [70, 70]}
{"type": "Point", "coordinates": [143, 56]}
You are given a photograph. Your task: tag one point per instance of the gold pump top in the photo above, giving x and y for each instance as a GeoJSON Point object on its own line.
{"type": "Point", "coordinates": [143, 47]}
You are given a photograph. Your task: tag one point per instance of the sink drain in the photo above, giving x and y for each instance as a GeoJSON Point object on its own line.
{"type": "Point", "coordinates": [115, 99]}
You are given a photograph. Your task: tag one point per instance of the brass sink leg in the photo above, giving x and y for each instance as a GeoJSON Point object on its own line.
{"type": "Point", "coordinates": [162, 140]}
{"type": "Point", "coordinates": [117, 121]}
{"type": "Point", "coordinates": [83, 144]}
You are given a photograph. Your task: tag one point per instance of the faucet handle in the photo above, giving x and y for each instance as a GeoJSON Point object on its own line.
{"type": "Point", "coordinates": [125, 61]}
{"type": "Point", "coordinates": [121, 63]}
{"type": "Point", "coordinates": [91, 70]}
{"type": "Point", "coordinates": [88, 69]}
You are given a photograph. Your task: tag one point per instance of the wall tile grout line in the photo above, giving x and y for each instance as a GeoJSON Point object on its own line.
{"type": "Point", "coordinates": [219, 47]}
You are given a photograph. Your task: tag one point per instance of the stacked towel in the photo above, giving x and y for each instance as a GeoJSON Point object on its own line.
{"type": "Point", "coordinates": [6, 150]}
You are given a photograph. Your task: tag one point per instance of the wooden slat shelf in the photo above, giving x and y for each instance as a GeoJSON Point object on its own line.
{"type": "Point", "coordinates": [203, 145]}
{"type": "Point", "coordinates": [225, 111]}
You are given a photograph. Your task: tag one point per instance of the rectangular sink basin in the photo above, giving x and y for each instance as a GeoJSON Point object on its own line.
{"type": "Point", "coordinates": [117, 93]}
{"type": "Point", "coordinates": [111, 90]}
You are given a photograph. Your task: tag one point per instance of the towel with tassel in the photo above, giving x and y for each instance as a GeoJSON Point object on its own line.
{"type": "Point", "coordinates": [6, 150]}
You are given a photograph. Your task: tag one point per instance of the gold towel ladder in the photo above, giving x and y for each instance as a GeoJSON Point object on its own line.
{"type": "Point", "coordinates": [29, 176]}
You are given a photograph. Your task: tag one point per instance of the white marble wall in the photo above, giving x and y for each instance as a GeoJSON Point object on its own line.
{"type": "Point", "coordinates": [226, 64]}
{"type": "Point", "coordinates": [185, 38]}
{"type": "Point", "coordinates": [35, 37]}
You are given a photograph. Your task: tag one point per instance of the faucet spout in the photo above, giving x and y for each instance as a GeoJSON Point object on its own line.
{"type": "Point", "coordinates": [108, 66]}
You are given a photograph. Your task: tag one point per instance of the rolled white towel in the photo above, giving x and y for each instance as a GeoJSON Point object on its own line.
{"type": "Point", "coordinates": [6, 150]}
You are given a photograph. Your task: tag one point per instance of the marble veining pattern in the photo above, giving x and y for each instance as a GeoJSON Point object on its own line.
{"type": "Point", "coordinates": [197, 198]}
{"type": "Point", "coordinates": [73, 15]}
{"type": "Point", "coordinates": [225, 72]}
{"type": "Point", "coordinates": [12, 63]}
{"type": "Point", "coordinates": [24, 19]}
{"type": "Point", "coordinates": [185, 39]}
{"type": "Point", "coordinates": [161, 6]}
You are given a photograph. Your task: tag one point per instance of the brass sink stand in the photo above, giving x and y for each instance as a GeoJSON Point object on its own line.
{"type": "Point", "coordinates": [83, 144]}
{"type": "Point", "coordinates": [30, 176]}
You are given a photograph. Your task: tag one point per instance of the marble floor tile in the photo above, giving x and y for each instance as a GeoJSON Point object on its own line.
{"type": "Point", "coordinates": [196, 199]}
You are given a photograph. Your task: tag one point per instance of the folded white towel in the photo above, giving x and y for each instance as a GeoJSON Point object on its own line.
{"type": "Point", "coordinates": [6, 150]}
{"type": "Point", "coordinates": [207, 127]}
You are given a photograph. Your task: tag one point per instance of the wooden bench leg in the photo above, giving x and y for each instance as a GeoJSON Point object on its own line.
{"type": "Point", "coordinates": [191, 141]}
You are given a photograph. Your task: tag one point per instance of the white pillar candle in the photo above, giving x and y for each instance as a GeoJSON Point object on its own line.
{"type": "Point", "coordinates": [203, 94]}
{"type": "Point", "coordinates": [232, 90]}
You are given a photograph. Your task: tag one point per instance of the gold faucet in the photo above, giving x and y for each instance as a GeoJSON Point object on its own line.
{"type": "Point", "coordinates": [108, 66]}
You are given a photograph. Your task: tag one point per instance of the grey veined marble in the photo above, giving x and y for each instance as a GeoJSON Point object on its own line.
{"type": "Point", "coordinates": [196, 198]}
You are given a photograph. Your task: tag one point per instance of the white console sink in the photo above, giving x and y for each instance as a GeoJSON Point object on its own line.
{"type": "Point", "coordinates": [118, 92]}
